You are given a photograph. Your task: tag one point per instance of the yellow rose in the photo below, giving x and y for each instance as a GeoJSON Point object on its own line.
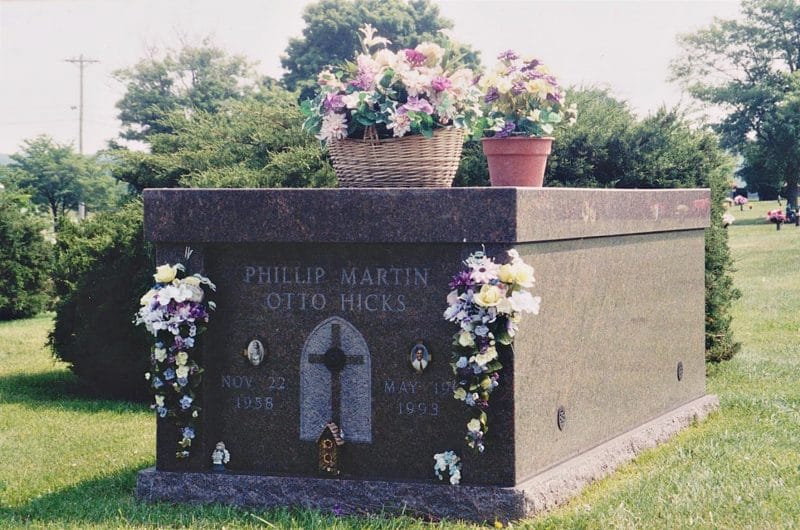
{"type": "Point", "coordinates": [506, 274]}
{"type": "Point", "coordinates": [181, 358]}
{"type": "Point", "coordinates": [523, 274]}
{"type": "Point", "coordinates": [474, 425]}
{"type": "Point", "coordinates": [191, 280]}
{"type": "Point", "coordinates": [489, 296]}
{"type": "Point", "coordinates": [145, 300]}
{"type": "Point", "coordinates": [465, 339]}
{"type": "Point", "coordinates": [165, 273]}
{"type": "Point", "coordinates": [460, 394]}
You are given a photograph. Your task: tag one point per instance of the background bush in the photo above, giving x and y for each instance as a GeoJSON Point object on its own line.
{"type": "Point", "coordinates": [25, 259]}
{"type": "Point", "coordinates": [102, 265]}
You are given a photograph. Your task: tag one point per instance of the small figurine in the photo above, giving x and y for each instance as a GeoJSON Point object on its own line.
{"type": "Point", "coordinates": [420, 357]}
{"type": "Point", "coordinates": [219, 457]}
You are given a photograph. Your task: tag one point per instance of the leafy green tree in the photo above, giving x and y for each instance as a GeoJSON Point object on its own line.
{"type": "Point", "coordinates": [193, 79]}
{"type": "Point", "coordinates": [257, 142]}
{"type": "Point", "coordinates": [60, 179]}
{"type": "Point", "coordinates": [748, 68]}
{"type": "Point", "coordinates": [25, 258]}
{"type": "Point", "coordinates": [331, 35]}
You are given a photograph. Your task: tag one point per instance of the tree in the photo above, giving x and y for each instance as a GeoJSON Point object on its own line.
{"type": "Point", "coordinates": [331, 35]}
{"type": "Point", "coordinates": [193, 79]}
{"type": "Point", "coordinates": [25, 259]}
{"type": "Point", "coordinates": [748, 68]}
{"type": "Point", "coordinates": [257, 142]}
{"type": "Point", "coordinates": [60, 179]}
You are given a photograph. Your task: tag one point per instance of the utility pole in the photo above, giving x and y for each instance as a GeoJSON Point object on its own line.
{"type": "Point", "coordinates": [81, 62]}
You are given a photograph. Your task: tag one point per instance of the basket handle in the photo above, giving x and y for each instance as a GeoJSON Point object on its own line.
{"type": "Point", "coordinates": [371, 135]}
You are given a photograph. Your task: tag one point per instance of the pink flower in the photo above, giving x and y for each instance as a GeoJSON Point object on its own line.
{"type": "Point", "coordinates": [417, 105]}
{"type": "Point", "coordinates": [440, 84]}
{"type": "Point", "coordinates": [414, 57]}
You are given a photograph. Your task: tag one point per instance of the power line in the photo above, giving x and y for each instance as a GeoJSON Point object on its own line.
{"type": "Point", "coordinates": [81, 62]}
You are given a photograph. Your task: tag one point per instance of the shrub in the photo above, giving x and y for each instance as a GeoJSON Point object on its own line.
{"type": "Point", "coordinates": [25, 259]}
{"type": "Point", "coordinates": [101, 266]}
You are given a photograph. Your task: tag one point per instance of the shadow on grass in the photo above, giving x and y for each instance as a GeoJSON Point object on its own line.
{"type": "Point", "coordinates": [60, 390]}
{"type": "Point", "coordinates": [109, 502]}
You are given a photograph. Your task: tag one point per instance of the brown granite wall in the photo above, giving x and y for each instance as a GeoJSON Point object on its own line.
{"type": "Point", "coordinates": [618, 314]}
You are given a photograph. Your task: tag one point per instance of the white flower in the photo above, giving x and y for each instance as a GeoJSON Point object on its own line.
{"type": "Point", "coordinates": [523, 301]}
{"type": "Point", "coordinates": [160, 354]}
{"type": "Point", "coordinates": [399, 123]}
{"type": "Point", "coordinates": [334, 126]}
{"type": "Point", "coordinates": [370, 36]}
{"type": "Point", "coordinates": [433, 52]}
{"type": "Point", "coordinates": [182, 371]}
{"type": "Point", "coordinates": [474, 425]}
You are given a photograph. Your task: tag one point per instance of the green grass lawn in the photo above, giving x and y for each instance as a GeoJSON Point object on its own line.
{"type": "Point", "coordinates": [67, 461]}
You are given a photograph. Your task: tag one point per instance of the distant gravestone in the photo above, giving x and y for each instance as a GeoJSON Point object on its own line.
{"type": "Point", "coordinates": [327, 370]}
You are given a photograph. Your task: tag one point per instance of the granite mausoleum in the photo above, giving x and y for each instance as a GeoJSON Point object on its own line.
{"type": "Point", "coordinates": [329, 310]}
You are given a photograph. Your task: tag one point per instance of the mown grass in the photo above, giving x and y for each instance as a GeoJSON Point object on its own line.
{"type": "Point", "coordinates": [67, 461]}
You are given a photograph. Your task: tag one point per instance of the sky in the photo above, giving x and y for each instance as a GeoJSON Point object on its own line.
{"type": "Point", "coordinates": [625, 46]}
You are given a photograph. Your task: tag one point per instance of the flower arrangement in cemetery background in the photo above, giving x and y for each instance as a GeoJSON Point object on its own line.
{"type": "Point", "coordinates": [740, 201]}
{"type": "Point", "coordinates": [392, 94]}
{"type": "Point", "coordinates": [486, 302]}
{"type": "Point", "coordinates": [776, 216]}
{"type": "Point", "coordinates": [175, 311]}
{"type": "Point", "coordinates": [522, 98]}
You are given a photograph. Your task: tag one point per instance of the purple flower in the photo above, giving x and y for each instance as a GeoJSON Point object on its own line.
{"type": "Point", "coordinates": [462, 279]}
{"type": "Point", "coordinates": [333, 102]}
{"type": "Point", "coordinates": [417, 105]}
{"type": "Point", "coordinates": [555, 97]}
{"type": "Point", "coordinates": [507, 129]}
{"type": "Point", "coordinates": [508, 55]}
{"type": "Point", "coordinates": [338, 511]}
{"type": "Point", "coordinates": [530, 65]}
{"type": "Point", "coordinates": [414, 57]}
{"type": "Point", "coordinates": [440, 83]}
{"type": "Point", "coordinates": [491, 95]}
{"type": "Point", "coordinates": [518, 88]}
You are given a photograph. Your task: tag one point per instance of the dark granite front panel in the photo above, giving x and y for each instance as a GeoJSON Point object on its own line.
{"type": "Point", "coordinates": [384, 299]}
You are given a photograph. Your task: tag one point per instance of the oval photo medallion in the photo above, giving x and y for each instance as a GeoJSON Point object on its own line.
{"type": "Point", "coordinates": [255, 352]}
{"type": "Point", "coordinates": [419, 357]}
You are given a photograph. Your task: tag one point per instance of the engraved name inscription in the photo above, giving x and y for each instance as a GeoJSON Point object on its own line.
{"type": "Point", "coordinates": [308, 288]}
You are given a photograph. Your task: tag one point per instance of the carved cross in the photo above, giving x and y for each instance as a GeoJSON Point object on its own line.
{"type": "Point", "coordinates": [335, 360]}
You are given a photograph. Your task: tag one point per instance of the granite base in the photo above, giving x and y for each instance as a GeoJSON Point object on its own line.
{"type": "Point", "coordinates": [477, 503]}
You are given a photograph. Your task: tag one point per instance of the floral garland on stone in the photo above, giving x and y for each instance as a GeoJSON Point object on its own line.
{"type": "Point", "coordinates": [487, 301]}
{"type": "Point", "coordinates": [175, 313]}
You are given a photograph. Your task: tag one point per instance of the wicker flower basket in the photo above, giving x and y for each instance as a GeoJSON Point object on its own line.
{"type": "Point", "coordinates": [407, 162]}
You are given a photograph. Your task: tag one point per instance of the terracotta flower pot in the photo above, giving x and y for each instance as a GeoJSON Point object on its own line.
{"type": "Point", "coordinates": [517, 161]}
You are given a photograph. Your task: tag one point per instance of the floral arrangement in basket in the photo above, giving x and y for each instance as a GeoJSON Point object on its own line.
{"type": "Point", "coordinates": [522, 98]}
{"type": "Point", "coordinates": [175, 312]}
{"type": "Point", "coordinates": [391, 94]}
{"type": "Point", "coordinates": [486, 302]}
